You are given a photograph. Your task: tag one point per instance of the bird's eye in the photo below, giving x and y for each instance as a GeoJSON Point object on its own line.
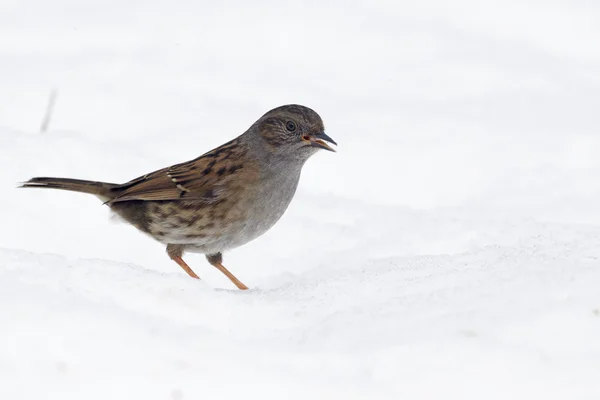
{"type": "Point", "coordinates": [290, 126]}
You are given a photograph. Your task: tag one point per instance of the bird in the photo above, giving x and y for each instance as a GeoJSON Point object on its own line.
{"type": "Point", "coordinates": [222, 199]}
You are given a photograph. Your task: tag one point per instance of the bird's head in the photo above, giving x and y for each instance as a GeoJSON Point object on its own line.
{"type": "Point", "coordinates": [293, 131]}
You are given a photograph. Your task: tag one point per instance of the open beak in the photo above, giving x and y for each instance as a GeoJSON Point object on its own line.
{"type": "Point", "coordinates": [320, 140]}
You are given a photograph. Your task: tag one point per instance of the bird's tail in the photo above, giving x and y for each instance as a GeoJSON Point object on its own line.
{"type": "Point", "coordinates": [103, 190]}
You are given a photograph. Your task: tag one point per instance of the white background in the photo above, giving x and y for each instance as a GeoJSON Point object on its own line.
{"type": "Point", "coordinates": [450, 249]}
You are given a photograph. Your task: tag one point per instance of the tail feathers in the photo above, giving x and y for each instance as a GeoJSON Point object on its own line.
{"type": "Point", "coordinates": [101, 189]}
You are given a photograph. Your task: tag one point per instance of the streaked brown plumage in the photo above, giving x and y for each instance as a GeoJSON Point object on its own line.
{"type": "Point", "coordinates": [222, 199]}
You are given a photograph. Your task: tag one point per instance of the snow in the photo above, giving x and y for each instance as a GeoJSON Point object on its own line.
{"type": "Point", "coordinates": [450, 249]}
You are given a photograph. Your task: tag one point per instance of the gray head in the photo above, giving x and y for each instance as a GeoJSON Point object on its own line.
{"type": "Point", "coordinates": [292, 131]}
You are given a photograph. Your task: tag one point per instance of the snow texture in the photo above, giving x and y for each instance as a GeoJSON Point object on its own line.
{"type": "Point", "coordinates": [449, 250]}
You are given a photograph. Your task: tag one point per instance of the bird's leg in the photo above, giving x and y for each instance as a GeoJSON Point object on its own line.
{"type": "Point", "coordinates": [185, 267]}
{"type": "Point", "coordinates": [175, 252]}
{"type": "Point", "coordinates": [216, 261]}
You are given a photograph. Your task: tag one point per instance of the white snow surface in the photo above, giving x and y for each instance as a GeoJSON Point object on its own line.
{"type": "Point", "coordinates": [449, 250]}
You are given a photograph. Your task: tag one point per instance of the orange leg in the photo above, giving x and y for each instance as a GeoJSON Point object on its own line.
{"type": "Point", "coordinates": [185, 267]}
{"type": "Point", "coordinates": [216, 261]}
{"type": "Point", "coordinates": [231, 277]}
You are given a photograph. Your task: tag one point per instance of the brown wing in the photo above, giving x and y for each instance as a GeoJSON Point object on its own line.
{"type": "Point", "coordinates": [208, 178]}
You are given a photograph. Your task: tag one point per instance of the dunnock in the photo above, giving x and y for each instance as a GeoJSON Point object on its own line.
{"type": "Point", "coordinates": [222, 199]}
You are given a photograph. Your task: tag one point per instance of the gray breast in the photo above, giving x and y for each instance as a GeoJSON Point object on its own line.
{"type": "Point", "coordinates": [263, 209]}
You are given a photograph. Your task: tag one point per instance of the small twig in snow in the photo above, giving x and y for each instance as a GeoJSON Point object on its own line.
{"type": "Point", "coordinates": [49, 110]}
